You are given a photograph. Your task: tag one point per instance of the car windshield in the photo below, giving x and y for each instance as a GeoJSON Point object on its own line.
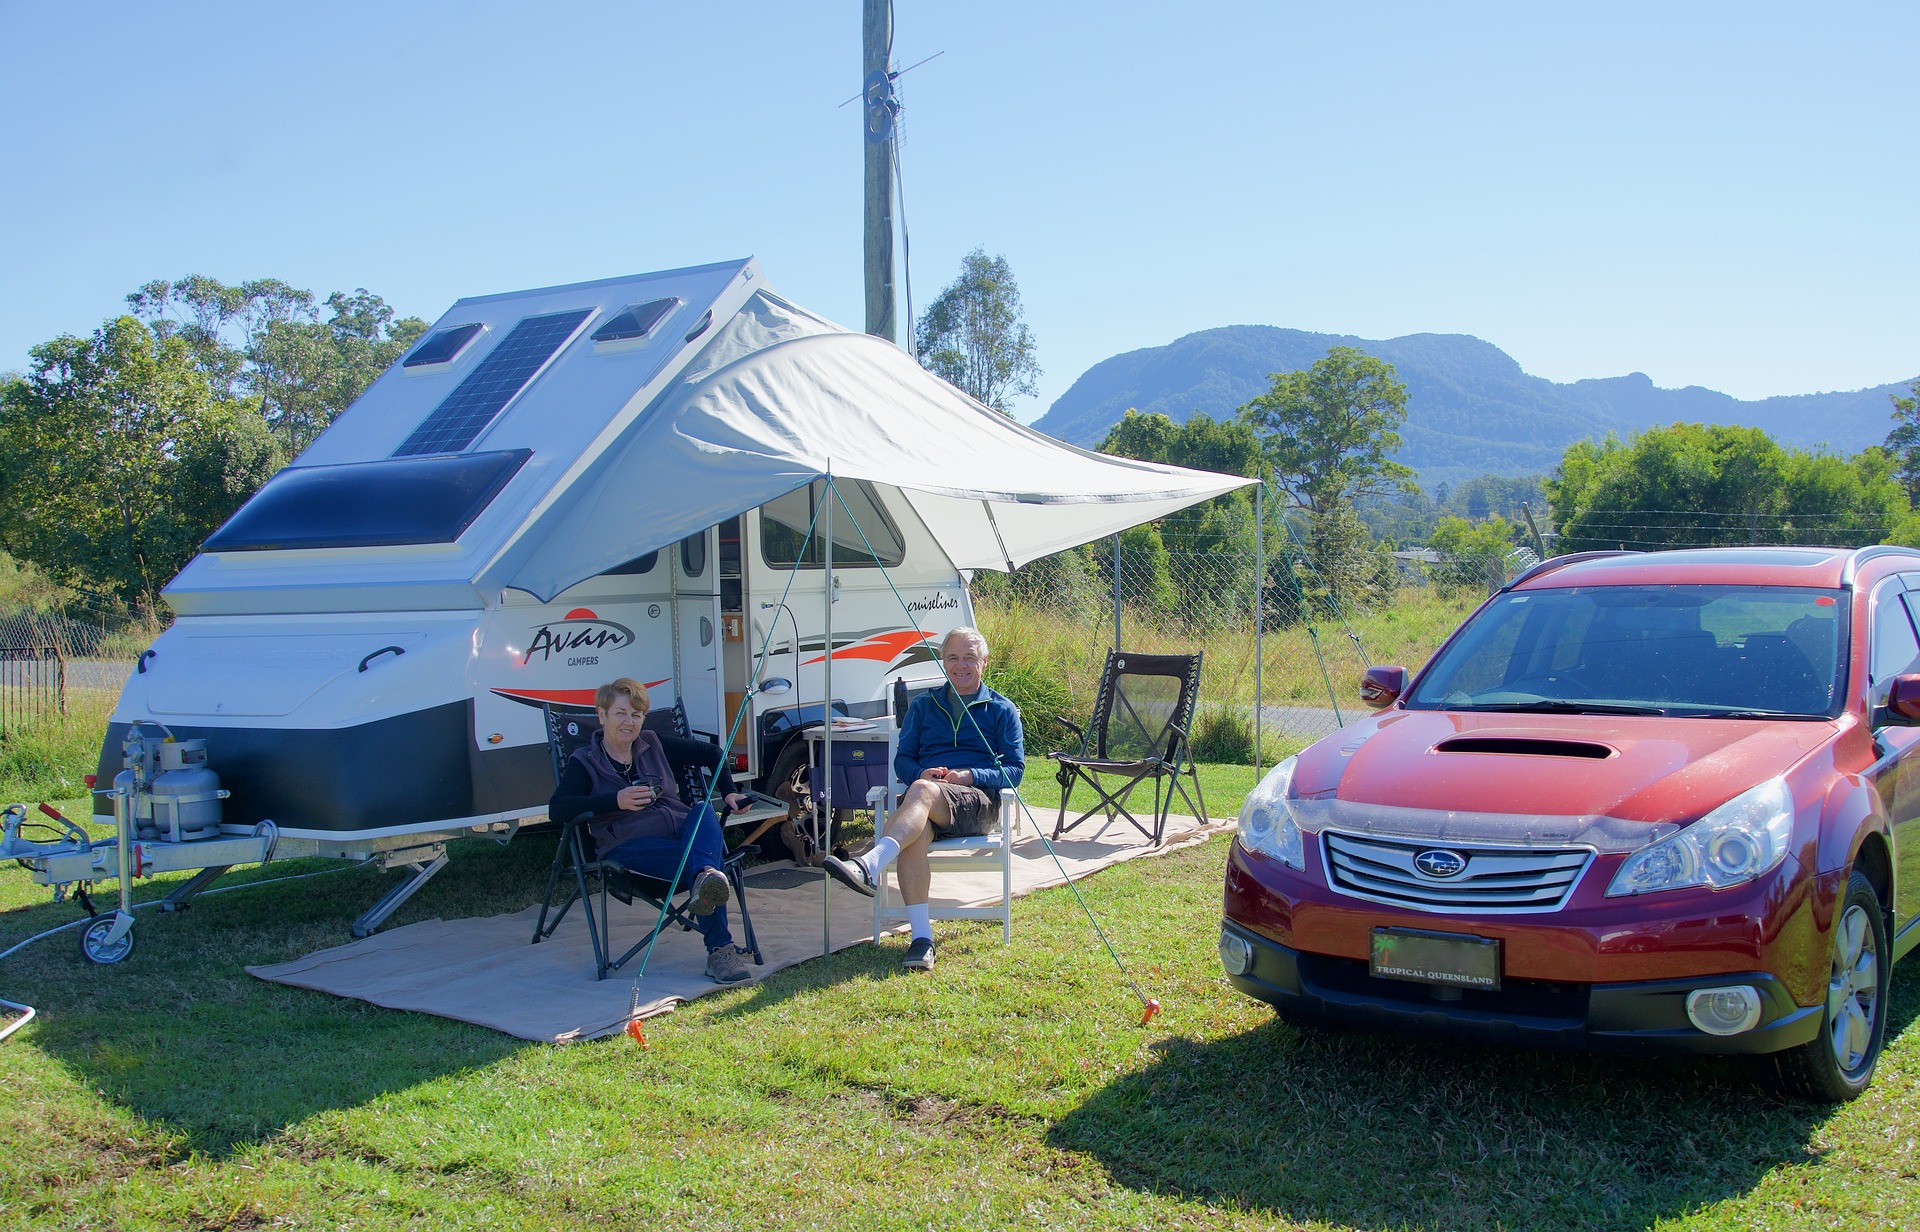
{"type": "Point", "coordinates": [1730, 651]}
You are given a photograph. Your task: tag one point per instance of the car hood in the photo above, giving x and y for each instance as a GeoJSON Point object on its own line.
{"type": "Point", "coordinates": [1652, 769]}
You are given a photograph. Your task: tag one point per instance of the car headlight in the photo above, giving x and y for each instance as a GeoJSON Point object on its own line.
{"type": "Point", "coordinates": [1266, 820]}
{"type": "Point", "coordinates": [1742, 839]}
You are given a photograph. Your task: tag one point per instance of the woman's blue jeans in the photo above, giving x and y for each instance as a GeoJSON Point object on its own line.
{"type": "Point", "coordinates": [658, 857]}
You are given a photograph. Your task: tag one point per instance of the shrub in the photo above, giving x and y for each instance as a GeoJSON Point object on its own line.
{"type": "Point", "coordinates": [1223, 735]}
{"type": "Point", "coordinates": [1041, 692]}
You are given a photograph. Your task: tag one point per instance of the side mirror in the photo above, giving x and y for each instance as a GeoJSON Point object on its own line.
{"type": "Point", "coordinates": [1382, 686]}
{"type": "Point", "coordinates": [1903, 698]}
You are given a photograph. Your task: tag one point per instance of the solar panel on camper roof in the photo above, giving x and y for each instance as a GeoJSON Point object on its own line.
{"type": "Point", "coordinates": [466, 412]}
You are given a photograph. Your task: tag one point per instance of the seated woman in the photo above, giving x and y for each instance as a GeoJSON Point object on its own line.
{"type": "Point", "coordinates": [623, 777]}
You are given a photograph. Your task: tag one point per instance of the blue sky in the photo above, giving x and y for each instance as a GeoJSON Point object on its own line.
{"type": "Point", "coordinates": [1714, 194]}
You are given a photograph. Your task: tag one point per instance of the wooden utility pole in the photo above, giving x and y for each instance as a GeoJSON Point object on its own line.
{"type": "Point", "coordinates": [877, 117]}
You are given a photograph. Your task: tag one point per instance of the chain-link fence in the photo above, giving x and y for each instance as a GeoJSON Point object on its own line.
{"type": "Point", "coordinates": [1324, 616]}
{"type": "Point", "coordinates": [49, 651]}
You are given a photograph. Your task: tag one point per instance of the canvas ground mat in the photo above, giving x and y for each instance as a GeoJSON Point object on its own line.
{"type": "Point", "coordinates": [485, 971]}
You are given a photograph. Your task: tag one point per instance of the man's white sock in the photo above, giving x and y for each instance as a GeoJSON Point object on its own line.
{"type": "Point", "coordinates": [882, 855]}
{"type": "Point", "coordinates": [919, 923]}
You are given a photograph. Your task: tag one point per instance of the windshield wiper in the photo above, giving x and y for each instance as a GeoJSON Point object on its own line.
{"type": "Point", "coordinates": [1546, 705]}
{"type": "Point", "coordinates": [1755, 714]}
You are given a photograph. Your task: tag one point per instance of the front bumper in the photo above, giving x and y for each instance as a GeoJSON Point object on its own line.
{"type": "Point", "coordinates": [1636, 1016]}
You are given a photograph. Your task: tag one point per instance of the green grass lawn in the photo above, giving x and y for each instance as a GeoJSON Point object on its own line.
{"type": "Point", "coordinates": [1015, 1087]}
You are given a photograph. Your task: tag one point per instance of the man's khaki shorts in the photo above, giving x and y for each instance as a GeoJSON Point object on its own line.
{"type": "Point", "coordinates": [971, 811]}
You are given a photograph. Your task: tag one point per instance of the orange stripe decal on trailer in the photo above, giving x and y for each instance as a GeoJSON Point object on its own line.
{"type": "Point", "coordinates": [881, 648]}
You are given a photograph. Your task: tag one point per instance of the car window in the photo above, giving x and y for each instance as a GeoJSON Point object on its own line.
{"type": "Point", "coordinates": [1670, 648]}
{"type": "Point", "coordinates": [1894, 645]}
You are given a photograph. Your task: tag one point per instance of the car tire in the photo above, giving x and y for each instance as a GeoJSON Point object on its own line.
{"type": "Point", "coordinates": [1838, 1062]}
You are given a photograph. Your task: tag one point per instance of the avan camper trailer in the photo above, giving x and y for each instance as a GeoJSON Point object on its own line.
{"type": "Point", "coordinates": [560, 486]}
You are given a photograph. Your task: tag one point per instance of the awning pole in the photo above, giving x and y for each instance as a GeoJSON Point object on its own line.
{"type": "Point", "coordinates": [823, 806]}
{"type": "Point", "coordinates": [1116, 594]}
{"type": "Point", "coordinates": [1259, 623]}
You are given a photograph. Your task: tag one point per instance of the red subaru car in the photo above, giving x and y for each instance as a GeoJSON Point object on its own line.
{"type": "Point", "coordinates": [1664, 800]}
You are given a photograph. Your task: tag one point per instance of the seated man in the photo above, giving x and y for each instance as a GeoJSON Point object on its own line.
{"type": "Point", "coordinates": [960, 744]}
{"type": "Point", "coordinates": [640, 822]}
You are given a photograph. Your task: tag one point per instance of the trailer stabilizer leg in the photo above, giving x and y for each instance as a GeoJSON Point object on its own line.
{"type": "Point", "coordinates": [422, 868]}
{"type": "Point", "coordinates": [182, 897]}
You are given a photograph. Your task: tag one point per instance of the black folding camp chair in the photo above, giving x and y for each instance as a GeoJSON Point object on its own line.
{"type": "Point", "coordinates": [1139, 731]}
{"type": "Point", "coordinates": [695, 760]}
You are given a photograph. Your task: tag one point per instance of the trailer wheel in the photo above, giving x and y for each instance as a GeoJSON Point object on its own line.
{"type": "Point", "coordinates": [95, 947]}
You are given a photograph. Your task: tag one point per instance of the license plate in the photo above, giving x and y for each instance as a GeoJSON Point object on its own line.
{"type": "Point", "coordinates": [1451, 960]}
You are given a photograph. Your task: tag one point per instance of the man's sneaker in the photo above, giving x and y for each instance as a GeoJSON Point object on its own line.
{"type": "Point", "coordinates": [726, 966]}
{"type": "Point", "coordinates": [851, 874]}
{"type": "Point", "coordinates": [919, 955]}
{"type": "Point", "coordinates": [710, 890]}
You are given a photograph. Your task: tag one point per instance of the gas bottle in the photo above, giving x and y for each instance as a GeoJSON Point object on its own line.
{"type": "Point", "coordinates": [186, 794]}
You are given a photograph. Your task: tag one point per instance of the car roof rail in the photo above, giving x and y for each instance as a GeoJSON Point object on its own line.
{"type": "Point", "coordinates": [1873, 551]}
{"type": "Point", "coordinates": [1553, 564]}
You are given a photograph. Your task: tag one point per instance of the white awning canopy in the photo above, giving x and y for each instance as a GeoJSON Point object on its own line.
{"type": "Point", "coordinates": [782, 398]}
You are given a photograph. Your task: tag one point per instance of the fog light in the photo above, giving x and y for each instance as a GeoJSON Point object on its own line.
{"type": "Point", "coordinates": [1236, 953]}
{"type": "Point", "coordinates": [1724, 1011]}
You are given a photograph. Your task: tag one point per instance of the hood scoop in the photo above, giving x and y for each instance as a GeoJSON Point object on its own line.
{"type": "Point", "coordinates": [1520, 746]}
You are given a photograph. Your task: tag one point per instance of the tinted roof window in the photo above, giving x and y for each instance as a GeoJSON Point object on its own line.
{"type": "Point", "coordinates": [441, 346]}
{"type": "Point", "coordinates": [369, 504]}
{"type": "Point", "coordinates": [635, 320]}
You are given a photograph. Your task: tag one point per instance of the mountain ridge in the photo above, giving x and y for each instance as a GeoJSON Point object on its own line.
{"type": "Point", "coordinates": [1471, 408]}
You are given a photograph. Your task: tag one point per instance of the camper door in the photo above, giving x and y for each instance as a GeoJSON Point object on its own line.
{"type": "Point", "coordinates": [696, 600]}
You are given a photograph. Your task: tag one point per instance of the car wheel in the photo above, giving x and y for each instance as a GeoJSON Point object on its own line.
{"type": "Point", "coordinates": [1837, 1064]}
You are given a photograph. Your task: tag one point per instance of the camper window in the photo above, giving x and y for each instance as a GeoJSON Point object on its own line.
{"type": "Point", "coordinates": [693, 554]}
{"type": "Point", "coordinates": [635, 320]}
{"type": "Point", "coordinates": [638, 565]}
{"type": "Point", "coordinates": [442, 346]}
{"type": "Point", "coordinates": [784, 521]}
{"type": "Point", "coordinates": [369, 504]}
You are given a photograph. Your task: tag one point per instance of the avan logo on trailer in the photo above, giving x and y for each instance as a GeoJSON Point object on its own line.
{"type": "Point", "coordinates": [578, 630]}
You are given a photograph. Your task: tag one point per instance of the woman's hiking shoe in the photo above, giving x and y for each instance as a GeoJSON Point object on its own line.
{"type": "Point", "coordinates": [919, 955]}
{"type": "Point", "coordinates": [851, 874]}
{"type": "Point", "coordinates": [710, 890]}
{"type": "Point", "coordinates": [725, 966]}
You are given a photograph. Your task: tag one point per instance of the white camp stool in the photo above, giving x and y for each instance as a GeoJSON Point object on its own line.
{"type": "Point", "coordinates": [973, 853]}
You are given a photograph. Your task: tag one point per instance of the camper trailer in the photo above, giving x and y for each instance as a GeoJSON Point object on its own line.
{"type": "Point", "coordinates": [677, 477]}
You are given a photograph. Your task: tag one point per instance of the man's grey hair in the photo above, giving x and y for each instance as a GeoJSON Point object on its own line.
{"type": "Point", "coordinates": [976, 642]}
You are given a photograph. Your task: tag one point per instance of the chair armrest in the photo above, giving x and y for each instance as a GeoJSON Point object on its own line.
{"type": "Point", "coordinates": [881, 798]}
{"type": "Point", "coordinates": [1071, 726]}
{"type": "Point", "coordinates": [760, 808]}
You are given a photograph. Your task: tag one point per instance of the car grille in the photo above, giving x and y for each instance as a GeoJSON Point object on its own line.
{"type": "Point", "coordinates": [1495, 879]}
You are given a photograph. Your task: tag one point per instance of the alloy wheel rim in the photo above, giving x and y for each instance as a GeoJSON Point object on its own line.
{"type": "Point", "coordinates": [1853, 990]}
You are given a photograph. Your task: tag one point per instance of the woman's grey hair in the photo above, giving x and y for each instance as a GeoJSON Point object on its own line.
{"type": "Point", "coordinates": [975, 641]}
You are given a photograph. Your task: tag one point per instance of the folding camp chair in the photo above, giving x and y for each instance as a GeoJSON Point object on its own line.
{"type": "Point", "coordinates": [694, 760]}
{"type": "Point", "coordinates": [1139, 730]}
